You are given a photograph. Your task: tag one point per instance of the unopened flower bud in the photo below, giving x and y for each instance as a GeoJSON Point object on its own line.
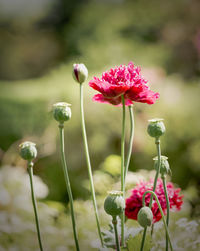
{"type": "Point", "coordinates": [164, 165]}
{"type": "Point", "coordinates": [114, 203]}
{"type": "Point", "coordinates": [80, 73]}
{"type": "Point", "coordinates": [62, 112]}
{"type": "Point", "coordinates": [156, 128]}
{"type": "Point", "coordinates": [28, 150]}
{"type": "Point", "coordinates": [145, 217]}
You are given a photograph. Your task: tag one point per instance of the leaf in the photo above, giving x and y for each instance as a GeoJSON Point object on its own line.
{"type": "Point", "coordinates": [134, 243]}
{"type": "Point", "coordinates": [109, 237]}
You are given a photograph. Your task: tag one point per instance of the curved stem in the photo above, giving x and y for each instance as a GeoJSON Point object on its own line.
{"type": "Point", "coordinates": [30, 171]}
{"type": "Point", "coordinates": [161, 211]}
{"type": "Point", "coordinates": [89, 164]}
{"type": "Point", "coordinates": [122, 166]}
{"type": "Point", "coordinates": [69, 191]}
{"type": "Point", "coordinates": [114, 222]}
{"type": "Point", "coordinates": [157, 142]}
{"type": "Point", "coordinates": [168, 207]}
{"type": "Point", "coordinates": [130, 142]}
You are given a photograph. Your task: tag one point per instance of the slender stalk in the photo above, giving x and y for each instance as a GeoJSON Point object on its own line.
{"type": "Point", "coordinates": [122, 166]}
{"type": "Point", "coordinates": [69, 191]}
{"type": "Point", "coordinates": [161, 211]}
{"type": "Point", "coordinates": [114, 222]}
{"type": "Point", "coordinates": [157, 142]}
{"type": "Point", "coordinates": [168, 207]}
{"type": "Point", "coordinates": [30, 171]}
{"type": "Point", "coordinates": [152, 229]}
{"type": "Point", "coordinates": [130, 142]}
{"type": "Point", "coordinates": [89, 164]}
{"type": "Point", "coordinates": [143, 239]}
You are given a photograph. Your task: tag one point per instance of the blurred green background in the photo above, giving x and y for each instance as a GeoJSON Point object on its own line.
{"type": "Point", "coordinates": [39, 42]}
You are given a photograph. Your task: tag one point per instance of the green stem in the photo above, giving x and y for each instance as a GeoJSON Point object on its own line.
{"type": "Point", "coordinates": [89, 164]}
{"type": "Point", "coordinates": [30, 171]}
{"type": "Point", "coordinates": [152, 229]}
{"type": "Point", "coordinates": [143, 239]}
{"type": "Point", "coordinates": [161, 211]}
{"type": "Point", "coordinates": [168, 207]}
{"type": "Point", "coordinates": [122, 166]}
{"type": "Point", "coordinates": [130, 141]}
{"type": "Point", "coordinates": [157, 142]}
{"type": "Point", "coordinates": [114, 221]}
{"type": "Point", "coordinates": [69, 191]}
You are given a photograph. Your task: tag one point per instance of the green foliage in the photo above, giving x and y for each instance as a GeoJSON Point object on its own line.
{"type": "Point", "coordinates": [21, 118]}
{"type": "Point", "coordinates": [134, 243]}
{"type": "Point", "coordinates": [112, 165]}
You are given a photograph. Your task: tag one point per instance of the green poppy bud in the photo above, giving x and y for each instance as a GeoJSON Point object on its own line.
{"type": "Point", "coordinates": [28, 150]}
{"type": "Point", "coordinates": [156, 128]}
{"type": "Point", "coordinates": [145, 217]}
{"type": "Point", "coordinates": [164, 165]}
{"type": "Point", "coordinates": [80, 73]}
{"type": "Point", "coordinates": [114, 203]}
{"type": "Point", "coordinates": [62, 112]}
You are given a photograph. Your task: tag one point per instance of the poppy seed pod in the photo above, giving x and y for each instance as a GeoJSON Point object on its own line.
{"type": "Point", "coordinates": [145, 217]}
{"type": "Point", "coordinates": [156, 128]}
{"type": "Point", "coordinates": [164, 165]}
{"type": "Point", "coordinates": [114, 203]}
{"type": "Point", "coordinates": [62, 112]}
{"type": "Point", "coordinates": [28, 150]}
{"type": "Point", "coordinates": [80, 73]}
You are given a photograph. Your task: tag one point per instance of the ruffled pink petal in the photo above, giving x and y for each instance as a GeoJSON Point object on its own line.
{"type": "Point", "coordinates": [107, 89]}
{"type": "Point", "coordinates": [148, 97]}
{"type": "Point", "coordinates": [114, 101]}
{"type": "Point", "coordinates": [143, 94]}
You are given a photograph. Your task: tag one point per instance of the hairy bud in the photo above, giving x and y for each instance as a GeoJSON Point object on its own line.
{"type": "Point", "coordinates": [145, 217]}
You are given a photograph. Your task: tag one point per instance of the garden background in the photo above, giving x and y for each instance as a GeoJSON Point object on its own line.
{"type": "Point", "coordinates": [39, 42]}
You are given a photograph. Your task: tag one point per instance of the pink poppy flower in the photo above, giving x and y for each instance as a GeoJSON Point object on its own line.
{"type": "Point", "coordinates": [134, 202]}
{"type": "Point", "coordinates": [123, 80]}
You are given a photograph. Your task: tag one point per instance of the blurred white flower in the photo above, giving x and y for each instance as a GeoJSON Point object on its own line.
{"type": "Point", "coordinates": [133, 179]}
{"type": "Point", "coordinates": [13, 249]}
{"type": "Point", "coordinates": [4, 197]}
{"type": "Point", "coordinates": [185, 235]}
{"type": "Point", "coordinates": [40, 189]}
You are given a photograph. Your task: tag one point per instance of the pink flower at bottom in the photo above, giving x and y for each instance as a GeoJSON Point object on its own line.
{"type": "Point", "coordinates": [134, 202]}
{"type": "Point", "coordinates": [123, 80]}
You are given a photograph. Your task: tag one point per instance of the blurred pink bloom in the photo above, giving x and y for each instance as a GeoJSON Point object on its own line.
{"type": "Point", "coordinates": [134, 202]}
